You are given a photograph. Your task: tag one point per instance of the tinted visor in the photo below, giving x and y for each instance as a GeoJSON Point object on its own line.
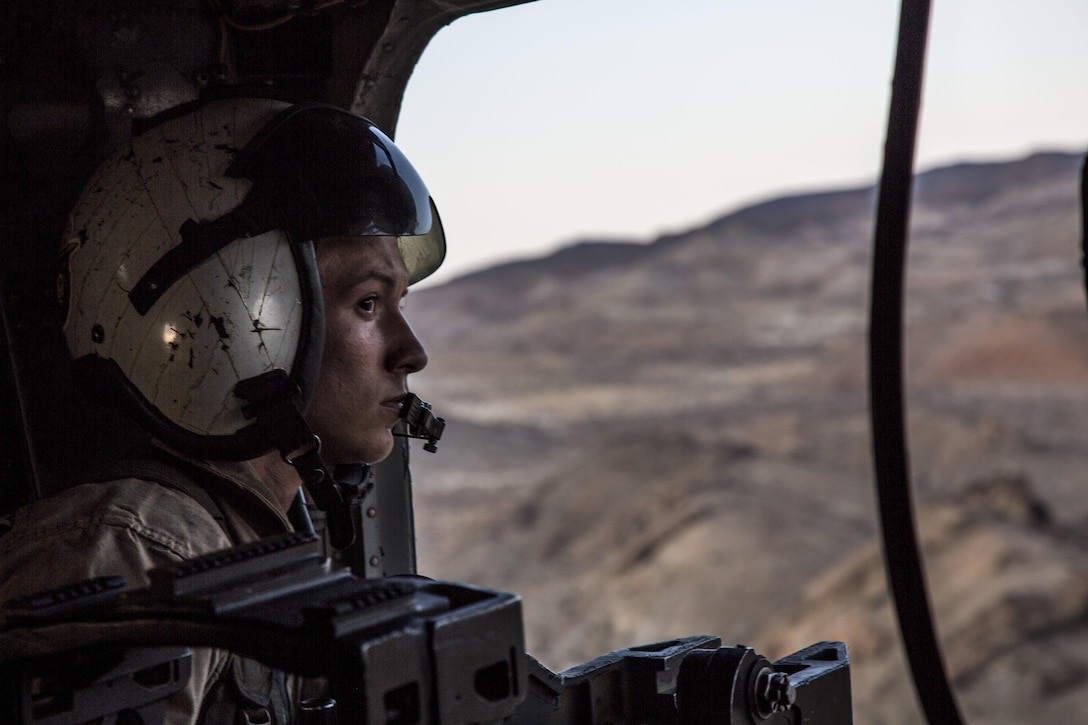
{"type": "Point", "coordinates": [331, 173]}
{"type": "Point", "coordinates": [423, 253]}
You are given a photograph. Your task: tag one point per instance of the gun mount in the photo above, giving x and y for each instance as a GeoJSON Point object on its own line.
{"type": "Point", "coordinates": [397, 651]}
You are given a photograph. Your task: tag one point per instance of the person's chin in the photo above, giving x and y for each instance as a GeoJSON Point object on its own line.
{"type": "Point", "coordinates": [373, 449]}
{"type": "Point", "coordinates": [379, 448]}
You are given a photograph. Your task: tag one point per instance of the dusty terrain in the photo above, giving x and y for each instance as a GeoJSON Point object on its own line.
{"type": "Point", "coordinates": [649, 441]}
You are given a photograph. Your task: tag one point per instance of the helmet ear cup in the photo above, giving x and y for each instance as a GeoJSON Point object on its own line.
{"type": "Point", "coordinates": [244, 309]}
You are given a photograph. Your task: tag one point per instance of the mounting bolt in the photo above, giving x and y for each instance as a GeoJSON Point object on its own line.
{"type": "Point", "coordinates": [774, 693]}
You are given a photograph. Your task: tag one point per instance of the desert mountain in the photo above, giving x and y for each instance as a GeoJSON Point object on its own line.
{"type": "Point", "coordinates": [651, 441]}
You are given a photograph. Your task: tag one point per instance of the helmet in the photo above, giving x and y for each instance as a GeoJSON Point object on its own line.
{"type": "Point", "coordinates": [189, 276]}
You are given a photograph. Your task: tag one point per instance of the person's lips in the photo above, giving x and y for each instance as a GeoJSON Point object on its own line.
{"type": "Point", "coordinates": [394, 403]}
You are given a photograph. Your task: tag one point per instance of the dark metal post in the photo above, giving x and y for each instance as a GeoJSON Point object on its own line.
{"type": "Point", "coordinates": [890, 456]}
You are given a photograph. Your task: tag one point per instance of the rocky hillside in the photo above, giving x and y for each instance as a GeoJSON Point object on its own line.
{"type": "Point", "coordinates": [649, 441]}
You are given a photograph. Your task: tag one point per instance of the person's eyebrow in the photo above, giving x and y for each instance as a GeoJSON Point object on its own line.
{"type": "Point", "coordinates": [355, 278]}
{"type": "Point", "coordinates": [351, 279]}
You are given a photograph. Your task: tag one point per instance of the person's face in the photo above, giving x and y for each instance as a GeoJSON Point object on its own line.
{"type": "Point", "coordinates": [369, 349]}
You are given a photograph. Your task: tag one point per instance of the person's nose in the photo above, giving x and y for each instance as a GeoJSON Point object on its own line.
{"type": "Point", "coordinates": [407, 354]}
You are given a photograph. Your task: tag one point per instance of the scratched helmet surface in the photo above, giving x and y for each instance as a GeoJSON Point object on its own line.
{"type": "Point", "coordinates": [188, 261]}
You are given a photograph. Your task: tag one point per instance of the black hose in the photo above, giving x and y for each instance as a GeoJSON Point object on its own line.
{"type": "Point", "coordinates": [890, 456]}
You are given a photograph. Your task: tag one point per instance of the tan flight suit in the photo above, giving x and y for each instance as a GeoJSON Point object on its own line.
{"type": "Point", "coordinates": [129, 526]}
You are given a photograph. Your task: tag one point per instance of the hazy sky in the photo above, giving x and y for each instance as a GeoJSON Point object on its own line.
{"type": "Point", "coordinates": [559, 120]}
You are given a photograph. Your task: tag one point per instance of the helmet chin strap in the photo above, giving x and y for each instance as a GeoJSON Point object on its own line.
{"type": "Point", "coordinates": [332, 494]}
{"type": "Point", "coordinates": [273, 403]}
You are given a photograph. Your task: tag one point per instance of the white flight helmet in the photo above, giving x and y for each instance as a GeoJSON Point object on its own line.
{"type": "Point", "coordinates": [189, 274]}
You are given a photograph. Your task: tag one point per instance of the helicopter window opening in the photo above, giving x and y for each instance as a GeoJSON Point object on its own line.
{"type": "Point", "coordinates": [552, 150]}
